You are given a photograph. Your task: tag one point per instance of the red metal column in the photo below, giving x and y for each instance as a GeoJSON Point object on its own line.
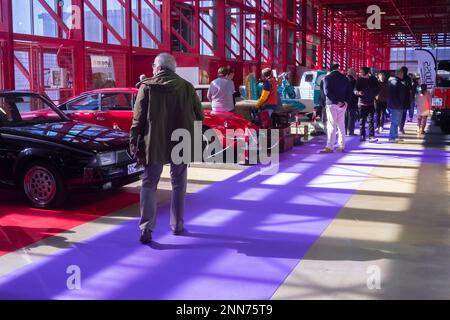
{"type": "Point", "coordinates": [258, 41]}
{"type": "Point", "coordinates": [197, 26]}
{"type": "Point", "coordinates": [341, 50]}
{"type": "Point", "coordinates": [332, 38]}
{"type": "Point", "coordinates": [304, 30]}
{"type": "Point", "coordinates": [320, 47]}
{"type": "Point", "coordinates": [79, 78]}
{"type": "Point", "coordinates": [6, 28]}
{"type": "Point", "coordinates": [166, 20]}
{"type": "Point", "coordinates": [220, 12]}
{"type": "Point", "coordinates": [284, 38]}
{"type": "Point", "coordinates": [129, 40]}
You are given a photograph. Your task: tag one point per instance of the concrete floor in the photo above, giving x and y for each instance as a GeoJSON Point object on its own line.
{"type": "Point", "coordinates": [396, 226]}
{"type": "Point", "coordinates": [390, 241]}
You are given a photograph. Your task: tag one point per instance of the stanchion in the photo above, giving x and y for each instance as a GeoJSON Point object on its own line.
{"type": "Point", "coordinates": [247, 147]}
{"type": "Point", "coordinates": [298, 138]}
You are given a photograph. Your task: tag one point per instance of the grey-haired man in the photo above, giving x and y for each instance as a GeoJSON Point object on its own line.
{"type": "Point", "coordinates": [164, 104]}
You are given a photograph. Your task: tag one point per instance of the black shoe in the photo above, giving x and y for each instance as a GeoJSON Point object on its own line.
{"type": "Point", "coordinates": [146, 237]}
{"type": "Point", "coordinates": [362, 139]}
{"type": "Point", "coordinates": [402, 131]}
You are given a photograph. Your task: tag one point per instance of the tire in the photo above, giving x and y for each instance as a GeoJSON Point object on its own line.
{"type": "Point", "coordinates": [43, 185]}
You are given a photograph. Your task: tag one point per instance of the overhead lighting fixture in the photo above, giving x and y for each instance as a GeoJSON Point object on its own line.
{"type": "Point", "coordinates": [392, 24]}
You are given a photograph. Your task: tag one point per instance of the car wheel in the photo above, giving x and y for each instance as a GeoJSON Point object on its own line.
{"type": "Point", "coordinates": [43, 185]}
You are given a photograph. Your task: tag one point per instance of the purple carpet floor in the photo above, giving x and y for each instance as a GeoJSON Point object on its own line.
{"type": "Point", "coordinates": [245, 235]}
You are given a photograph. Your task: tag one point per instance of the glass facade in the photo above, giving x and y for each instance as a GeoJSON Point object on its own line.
{"type": "Point", "coordinates": [254, 33]}
{"type": "Point", "coordinates": [406, 57]}
{"type": "Point", "coordinates": [115, 13]}
{"type": "Point", "coordinates": [93, 27]}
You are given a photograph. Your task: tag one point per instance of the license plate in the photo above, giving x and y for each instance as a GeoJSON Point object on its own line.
{"type": "Point", "coordinates": [436, 102]}
{"type": "Point", "coordinates": [133, 168]}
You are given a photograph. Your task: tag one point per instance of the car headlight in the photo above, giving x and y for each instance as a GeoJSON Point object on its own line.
{"type": "Point", "coordinates": [225, 123]}
{"type": "Point", "coordinates": [106, 159]}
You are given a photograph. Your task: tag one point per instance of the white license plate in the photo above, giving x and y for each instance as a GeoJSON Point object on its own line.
{"type": "Point", "coordinates": [436, 102]}
{"type": "Point", "coordinates": [132, 168]}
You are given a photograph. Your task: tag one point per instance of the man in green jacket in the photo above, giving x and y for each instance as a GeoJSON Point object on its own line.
{"type": "Point", "coordinates": [165, 104]}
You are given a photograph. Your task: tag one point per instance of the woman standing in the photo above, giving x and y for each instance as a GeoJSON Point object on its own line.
{"type": "Point", "coordinates": [423, 101]}
{"type": "Point", "coordinates": [221, 92]}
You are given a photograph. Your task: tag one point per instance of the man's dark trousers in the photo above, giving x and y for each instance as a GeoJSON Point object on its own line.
{"type": "Point", "coordinates": [367, 114]}
{"type": "Point", "coordinates": [380, 108]}
{"type": "Point", "coordinates": [152, 174]}
{"type": "Point", "coordinates": [350, 120]}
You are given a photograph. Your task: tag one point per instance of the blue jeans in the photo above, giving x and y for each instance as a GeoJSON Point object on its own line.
{"type": "Point", "coordinates": [396, 118]}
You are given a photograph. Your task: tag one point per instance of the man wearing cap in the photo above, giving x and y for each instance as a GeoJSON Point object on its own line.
{"type": "Point", "coordinates": [338, 95]}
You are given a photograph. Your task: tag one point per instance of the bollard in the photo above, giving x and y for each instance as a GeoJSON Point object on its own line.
{"type": "Point", "coordinates": [247, 147]}
{"type": "Point", "coordinates": [306, 132]}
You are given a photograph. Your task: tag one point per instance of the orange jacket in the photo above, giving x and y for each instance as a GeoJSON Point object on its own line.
{"type": "Point", "coordinates": [269, 97]}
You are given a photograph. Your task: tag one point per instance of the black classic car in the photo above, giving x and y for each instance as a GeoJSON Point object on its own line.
{"type": "Point", "coordinates": [47, 155]}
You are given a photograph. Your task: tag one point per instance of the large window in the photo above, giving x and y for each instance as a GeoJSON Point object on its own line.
{"type": "Point", "coordinates": [249, 37]}
{"type": "Point", "coordinates": [44, 24]}
{"type": "Point", "coordinates": [22, 70]}
{"type": "Point", "coordinates": [116, 18]}
{"type": "Point", "coordinates": [265, 40]}
{"type": "Point", "coordinates": [93, 27]}
{"type": "Point", "coordinates": [232, 33]}
{"type": "Point", "coordinates": [22, 21]}
{"type": "Point", "coordinates": [208, 20]}
{"type": "Point", "coordinates": [290, 47]}
{"type": "Point", "coordinates": [183, 30]}
{"type": "Point", "coordinates": [40, 18]}
{"type": "Point", "coordinates": [147, 23]}
{"type": "Point", "coordinates": [277, 32]}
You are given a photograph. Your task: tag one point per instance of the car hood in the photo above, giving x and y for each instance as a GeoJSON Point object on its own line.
{"type": "Point", "coordinates": [75, 134]}
{"type": "Point", "coordinates": [218, 117]}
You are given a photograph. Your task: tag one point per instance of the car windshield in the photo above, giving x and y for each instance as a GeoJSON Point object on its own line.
{"type": "Point", "coordinates": [20, 110]}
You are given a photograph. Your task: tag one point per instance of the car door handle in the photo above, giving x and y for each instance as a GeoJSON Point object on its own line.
{"type": "Point", "coordinates": [100, 119]}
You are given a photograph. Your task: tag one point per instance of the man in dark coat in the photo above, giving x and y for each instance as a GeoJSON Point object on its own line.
{"type": "Point", "coordinates": [381, 101]}
{"type": "Point", "coordinates": [396, 102]}
{"type": "Point", "coordinates": [407, 82]}
{"type": "Point", "coordinates": [367, 89]}
{"type": "Point", "coordinates": [352, 109]}
{"type": "Point", "coordinates": [166, 105]}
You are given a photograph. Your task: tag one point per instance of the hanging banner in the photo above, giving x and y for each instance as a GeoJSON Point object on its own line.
{"type": "Point", "coordinates": [426, 68]}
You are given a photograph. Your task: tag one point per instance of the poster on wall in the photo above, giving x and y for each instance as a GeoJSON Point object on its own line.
{"type": "Point", "coordinates": [103, 75]}
{"type": "Point", "coordinates": [426, 68]}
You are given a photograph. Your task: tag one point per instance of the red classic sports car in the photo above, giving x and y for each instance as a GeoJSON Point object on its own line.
{"type": "Point", "coordinates": [113, 108]}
